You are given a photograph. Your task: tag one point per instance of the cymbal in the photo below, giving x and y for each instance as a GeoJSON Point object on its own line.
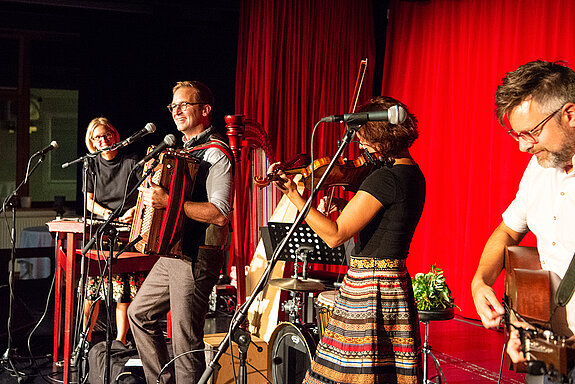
{"type": "Point", "coordinates": [298, 285]}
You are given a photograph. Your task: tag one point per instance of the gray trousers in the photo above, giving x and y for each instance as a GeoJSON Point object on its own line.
{"type": "Point", "coordinates": [184, 288]}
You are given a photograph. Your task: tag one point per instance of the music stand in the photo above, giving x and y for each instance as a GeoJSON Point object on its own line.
{"type": "Point", "coordinates": [304, 236]}
{"type": "Point", "coordinates": [306, 246]}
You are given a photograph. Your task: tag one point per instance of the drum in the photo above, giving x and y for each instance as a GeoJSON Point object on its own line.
{"type": "Point", "coordinates": [324, 304]}
{"type": "Point", "coordinates": [292, 348]}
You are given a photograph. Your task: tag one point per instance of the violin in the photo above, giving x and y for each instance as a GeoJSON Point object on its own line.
{"type": "Point", "coordinates": [346, 173]}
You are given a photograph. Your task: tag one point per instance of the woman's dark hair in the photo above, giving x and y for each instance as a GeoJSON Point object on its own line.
{"type": "Point", "coordinates": [389, 139]}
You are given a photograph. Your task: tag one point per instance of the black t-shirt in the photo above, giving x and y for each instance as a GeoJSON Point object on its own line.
{"type": "Point", "coordinates": [401, 190]}
{"type": "Point", "coordinates": [109, 178]}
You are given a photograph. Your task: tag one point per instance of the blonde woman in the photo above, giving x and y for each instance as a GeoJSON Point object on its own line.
{"type": "Point", "coordinates": [105, 188]}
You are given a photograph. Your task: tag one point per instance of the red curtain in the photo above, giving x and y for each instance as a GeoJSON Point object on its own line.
{"type": "Point", "coordinates": [298, 62]}
{"type": "Point", "coordinates": [445, 59]}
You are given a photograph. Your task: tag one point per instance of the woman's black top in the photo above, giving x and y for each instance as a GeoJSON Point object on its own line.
{"type": "Point", "coordinates": [109, 178]}
{"type": "Point", "coordinates": [401, 191]}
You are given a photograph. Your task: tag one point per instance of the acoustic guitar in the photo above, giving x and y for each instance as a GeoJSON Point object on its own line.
{"type": "Point", "coordinates": [529, 297]}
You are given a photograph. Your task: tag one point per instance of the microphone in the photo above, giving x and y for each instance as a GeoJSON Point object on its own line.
{"type": "Point", "coordinates": [395, 115]}
{"type": "Point", "coordinates": [43, 152]}
{"type": "Point", "coordinates": [168, 141]}
{"type": "Point", "coordinates": [149, 128]}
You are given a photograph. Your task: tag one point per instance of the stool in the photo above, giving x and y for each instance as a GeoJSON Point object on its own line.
{"type": "Point", "coordinates": [425, 317]}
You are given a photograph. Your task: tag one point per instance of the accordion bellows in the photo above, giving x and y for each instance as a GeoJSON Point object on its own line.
{"type": "Point", "coordinates": [161, 229]}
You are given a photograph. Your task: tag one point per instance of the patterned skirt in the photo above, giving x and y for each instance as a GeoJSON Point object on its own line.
{"type": "Point", "coordinates": [373, 331]}
{"type": "Point", "coordinates": [124, 286]}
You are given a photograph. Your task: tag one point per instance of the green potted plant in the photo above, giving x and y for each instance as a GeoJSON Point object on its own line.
{"type": "Point", "coordinates": [432, 295]}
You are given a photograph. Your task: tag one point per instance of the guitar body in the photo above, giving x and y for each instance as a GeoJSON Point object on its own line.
{"type": "Point", "coordinates": [528, 287]}
{"type": "Point", "coordinates": [529, 292]}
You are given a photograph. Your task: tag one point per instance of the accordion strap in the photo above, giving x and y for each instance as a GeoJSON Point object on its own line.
{"type": "Point", "coordinates": [214, 143]}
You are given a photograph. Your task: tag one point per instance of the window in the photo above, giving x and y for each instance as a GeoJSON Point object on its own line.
{"type": "Point", "coordinates": [38, 74]}
{"type": "Point", "coordinates": [54, 117]}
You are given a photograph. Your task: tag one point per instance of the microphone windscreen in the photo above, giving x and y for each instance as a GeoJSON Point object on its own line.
{"type": "Point", "coordinates": [170, 140]}
{"type": "Point", "coordinates": [150, 127]}
{"type": "Point", "coordinates": [401, 114]}
{"type": "Point", "coordinates": [396, 114]}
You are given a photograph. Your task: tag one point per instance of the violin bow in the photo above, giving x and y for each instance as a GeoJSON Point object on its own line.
{"type": "Point", "coordinates": [358, 85]}
{"type": "Point", "coordinates": [352, 107]}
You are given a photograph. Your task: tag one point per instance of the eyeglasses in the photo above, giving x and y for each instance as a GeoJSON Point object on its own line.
{"type": "Point", "coordinates": [183, 106]}
{"type": "Point", "coordinates": [532, 136]}
{"type": "Point", "coordinates": [107, 135]}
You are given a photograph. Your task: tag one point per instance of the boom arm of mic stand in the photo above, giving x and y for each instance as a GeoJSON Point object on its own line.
{"type": "Point", "coordinates": [242, 312]}
{"type": "Point", "coordinates": [82, 158]}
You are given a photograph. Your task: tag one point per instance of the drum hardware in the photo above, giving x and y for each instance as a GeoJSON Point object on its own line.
{"type": "Point", "coordinates": [305, 247]}
{"type": "Point", "coordinates": [299, 288]}
{"type": "Point", "coordinates": [293, 307]}
{"type": "Point", "coordinates": [303, 253]}
{"type": "Point", "coordinates": [298, 285]}
{"type": "Point", "coordinates": [331, 280]}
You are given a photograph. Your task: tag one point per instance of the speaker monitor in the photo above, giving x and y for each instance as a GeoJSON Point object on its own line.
{"type": "Point", "coordinates": [225, 375]}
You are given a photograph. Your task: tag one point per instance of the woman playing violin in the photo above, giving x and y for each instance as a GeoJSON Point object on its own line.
{"type": "Point", "coordinates": [373, 332]}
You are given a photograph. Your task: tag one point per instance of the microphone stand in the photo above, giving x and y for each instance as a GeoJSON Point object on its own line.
{"type": "Point", "coordinates": [112, 232]}
{"type": "Point", "coordinates": [11, 199]}
{"type": "Point", "coordinates": [242, 312]}
{"type": "Point", "coordinates": [81, 347]}
{"type": "Point", "coordinates": [111, 259]}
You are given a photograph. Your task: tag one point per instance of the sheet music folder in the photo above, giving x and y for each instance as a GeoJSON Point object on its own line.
{"type": "Point", "coordinates": [304, 235]}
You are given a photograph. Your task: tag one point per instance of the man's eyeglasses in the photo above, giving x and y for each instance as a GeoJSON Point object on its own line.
{"type": "Point", "coordinates": [107, 135]}
{"type": "Point", "coordinates": [532, 136]}
{"type": "Point", "coordinates": [183, 106]}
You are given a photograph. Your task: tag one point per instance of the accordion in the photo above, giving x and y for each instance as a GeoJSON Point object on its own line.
{"type": "Point", "coordinates": [161, 229]}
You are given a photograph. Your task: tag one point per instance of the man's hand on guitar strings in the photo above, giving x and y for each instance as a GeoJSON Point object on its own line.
{"type": "Point", "coordinates": [489, 309]}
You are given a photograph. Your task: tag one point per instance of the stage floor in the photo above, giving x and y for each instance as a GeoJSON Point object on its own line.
{"type": "Point", "coordinates": [467, 353]}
